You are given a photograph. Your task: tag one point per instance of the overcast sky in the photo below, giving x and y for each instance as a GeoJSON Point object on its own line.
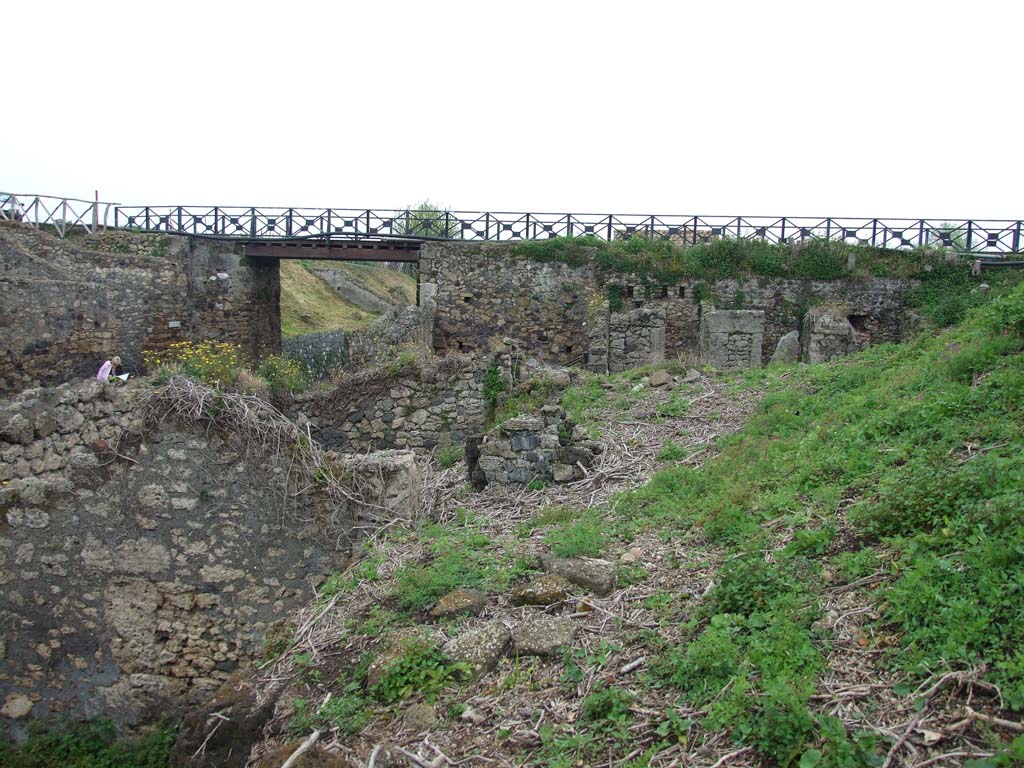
{"type": "Point", "coordinates": [776, 108]}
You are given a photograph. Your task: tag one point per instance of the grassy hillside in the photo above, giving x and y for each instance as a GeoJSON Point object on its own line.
{"type": "Point", "coordinates": [391, 285]}
{"type": "Point", "coordinates": [309, 305]}
{"type": "Point", "coordinates": [895, 479]}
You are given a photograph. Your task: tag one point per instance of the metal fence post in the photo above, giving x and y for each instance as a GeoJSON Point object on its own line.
{"type": "Point", "coordinates": [970, 234]}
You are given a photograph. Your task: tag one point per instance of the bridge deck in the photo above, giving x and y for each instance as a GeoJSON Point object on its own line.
{"type": "Point", "coordinates": [364, 250]}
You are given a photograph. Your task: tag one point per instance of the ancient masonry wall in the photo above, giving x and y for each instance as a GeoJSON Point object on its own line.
{"type": "Point", "coordinates": [731, 338]}
{"type": "Point", "coordinates": [419, 406]}
{"type": "Point", "coordinates": [546, 447]}
{"type": "Point", "coordinates": [875, 305]}
{"type": "Point", "coordinates": [66, 305]}
{"type": "Point", "coordinates": [484, 291]}
{"type": "Point", "coordinates": [556, 311]}
{"type": "Point", "coordinates": [141, 567]}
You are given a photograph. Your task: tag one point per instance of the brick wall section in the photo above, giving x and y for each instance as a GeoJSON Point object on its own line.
{"type": "Point", "coordinates": [66, 305]}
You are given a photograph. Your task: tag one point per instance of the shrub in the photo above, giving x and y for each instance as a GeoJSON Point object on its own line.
{"type": "Point", "coordinates": [585, 537]}
{"type": "Point", "coordinates": [213, 362]}
{"type": "Point", "coordinates": [282, 375]}
{"type": "Point", "coordinates": [450, 456]}
{"type": "Point", "coordinates": [606, 708]}
{"type": "Point", "coordinates": [91, 744]}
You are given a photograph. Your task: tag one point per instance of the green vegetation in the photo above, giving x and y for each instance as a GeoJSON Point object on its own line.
{"type": "Point", "coordinates": [282, 375]}
{"type": "Point", "coordinates": [606, 713]}
{"type": "Point", "coordinates": [420, 668]}
{"type": "Point", "coordinates": [527, 398]}
{"type": "Point", "coordinates": [947, 292]}
{"type": "Point", "coordinates": [89, 745]}
{"type": "Point", "coordinates": [494, 387]}
{"type": "Point", "coordinates": [460, 557]}
{"type": "Point", "coordinates": [216, 363]}
{"type": "Point", "coordinates": [450, 456]}
{"type": "Point", "coordinates": [922, 446]}
{"type": "Point", "coordinates": [584, 536]}
{"type": "Point", "coordinates": [661, 261]}
{"type": "Point", "coordinates": [308, 304]}
{"type": "Point", "coordinates": [349, 713]}
{"type": "Point", "coordinates": [429, 220]}
{"type": "Point", "coordinates": [219, 364]}
{"type": "Point", "coordinates": [391, 285]}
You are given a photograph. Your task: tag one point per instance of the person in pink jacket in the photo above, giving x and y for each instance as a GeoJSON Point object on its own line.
{"type": "Point", "coordinates": [109, 368]}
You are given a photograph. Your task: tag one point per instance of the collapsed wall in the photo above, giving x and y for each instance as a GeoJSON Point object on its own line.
{"type": "Point", "coordinates": [143, 562]}
{"type": "Point", "coordinates": [68, 304]}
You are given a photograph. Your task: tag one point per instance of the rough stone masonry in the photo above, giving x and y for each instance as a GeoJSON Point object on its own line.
{"type": "Point", "coordinates": [68, 304]}
{"type": "Point", "coordinates": [142, 565]}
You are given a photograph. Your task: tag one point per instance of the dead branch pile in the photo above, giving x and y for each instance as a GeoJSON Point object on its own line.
{"type": "Point", "coordinates": [317, 492]}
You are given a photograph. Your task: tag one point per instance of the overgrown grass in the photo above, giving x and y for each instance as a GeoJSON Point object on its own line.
{"type": "Point", "coordinates": [309, 305]}
{"type": "Point", "coordinates": [459, 558]}
{"type": "Point", "coordinates": [922, 448]}
{"type": "Point", "coordinates": [89, 745]}
{"type": "Point", "coordinates": [661, 261]}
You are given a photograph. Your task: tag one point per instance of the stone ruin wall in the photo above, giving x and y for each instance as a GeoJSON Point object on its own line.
{"type": "Point", "coordinates": [559, 313]}
{"type": "Point", "coordinates": [731, 338]}
{"type": "Point", "coordinates": [483, 291]}
{"type": "Point", "coordinates": [140, 567]}
{"type": "Point", "coordinates": [68, 304]}
{"type": "Point", "coordinates": [419, 406]}
{"type": "Point", "coordinates": [546, 447]}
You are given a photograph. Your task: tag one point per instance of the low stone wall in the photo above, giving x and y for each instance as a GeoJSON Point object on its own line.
{"type": "Point", "coordinates": [419, 406]}
{"type": "Point", "coordinates": [141, 565]}
{"type": "Point", "coordinates": [66, 305]}
{"type": "Point", "coordinates": [542, 448]}
{"type": "Point", "coordinates": [731, 338]}
{"type": "Point", "coordinates": [410, 328]}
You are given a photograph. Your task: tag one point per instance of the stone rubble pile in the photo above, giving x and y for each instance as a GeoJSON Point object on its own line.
{"type": "Point", "coordinates": [544, 448]}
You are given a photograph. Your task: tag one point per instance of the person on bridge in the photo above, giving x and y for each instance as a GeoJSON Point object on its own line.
{"type": "Point", "coordinates": [109, 368]}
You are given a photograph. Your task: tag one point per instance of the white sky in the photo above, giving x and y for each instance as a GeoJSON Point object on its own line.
{"type": "Point", "coordinates": [776, 108]}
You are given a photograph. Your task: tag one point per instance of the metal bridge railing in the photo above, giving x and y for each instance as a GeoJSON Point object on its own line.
{"type": "Point", "coordinates": [989, 237]}
{"type": "Point", "coordinates": [984, 238]}
{"type": "Point", "coordinates": [61, 214]}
